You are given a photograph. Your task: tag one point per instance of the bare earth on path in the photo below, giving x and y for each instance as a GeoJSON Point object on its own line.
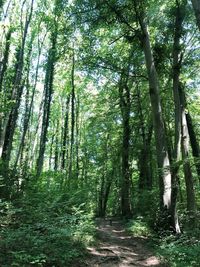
{"type": "Point", "coordinates": [117, 248]}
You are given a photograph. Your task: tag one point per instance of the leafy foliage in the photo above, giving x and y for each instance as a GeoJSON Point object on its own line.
{"type": "Point", "coordinates": [41, 229]}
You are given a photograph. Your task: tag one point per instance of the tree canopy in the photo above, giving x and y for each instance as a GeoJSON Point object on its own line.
{"type": "Point", "coordinates": [99, 117]}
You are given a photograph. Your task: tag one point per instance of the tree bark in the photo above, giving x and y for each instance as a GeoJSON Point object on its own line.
{"type": "Point", "coordinates": [177, 60]}
{"type": "Point", "coordinates": [56, 153]}
{"type": "Point", "coordinates": [17, 91]}
{"type": "Point", "coordinates": [194, 143]}
{"type": "Point", "coordinates": [191, 202]}
{"type": "Point", "coordinates": [125, 105]}
{"type": "Point", "coordinates": [3, 66]}
{"type": "Point", "coordinates": [48, 88]}
{"type": "Point", "coordinates": [162, 153]}
{"type": "Point", "coordinates": [145, 176]}
{"type": "Point", "coordinates": [72, 119]}
{"type": "Point", "coordinates": [65, 142]}
{"type": "Point", "coordinates": [77, 136]}
{"type": "Point", "coordinates": [196, 7]}
{"type": "Point", "coordinates": [158, 122]}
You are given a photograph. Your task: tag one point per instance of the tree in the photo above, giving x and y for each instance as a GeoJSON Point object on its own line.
{"type": "Point", "coordinates": [159, 129]}
{"type": "Point", "coordinates": [48, 89]}
{"type": "Point", "coordinates": [196, 7]}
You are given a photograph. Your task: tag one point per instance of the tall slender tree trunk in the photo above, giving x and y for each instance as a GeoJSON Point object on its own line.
{"type": "Point", "coordinates": [72, 118]}
{"type": "Point", "coordinates": [196, 7]}
{"type": "Point", "coordinates": [77, 136]}
{"type": "Point", "coordinates": [125, 104]}
{"type": "Point", "coordinates": [29, 106]}
{"type": "Point", "coordinates": [65, 142]}
{"type": "Point", "coordinates": [191, 202]}
{"type": "Point", "coordinates": [4, 63]}
{"type": "Point", "coordinates": [48, 88]}
{"type": "Point", "coordinates": [56, 154]}
{"type": "Point", "coordinates": [193, 139]}
{"type": "Point", "coordinates": [194, 143]}
{"type": "Point", "coordinates": [161, 146]}
{"type": "Point", "coordinates": [177, 60]}
{"type": "Point", "coordinates": [158, 122]}
{"type": "Point", "coordinates": [17, 91]}
{"type": "Point", "coordinates": [145, 176]}
{"type": "Point", "coordinates": [51, 151]}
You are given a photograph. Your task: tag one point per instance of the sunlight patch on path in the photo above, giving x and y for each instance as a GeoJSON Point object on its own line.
{"type": "Point", "coordinates": [116, 248]}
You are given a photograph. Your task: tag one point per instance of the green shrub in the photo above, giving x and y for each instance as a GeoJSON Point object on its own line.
{"type": "Point", "coordinates": [42, 229]}
{"type": "Point", "coordinates": [139, 227]}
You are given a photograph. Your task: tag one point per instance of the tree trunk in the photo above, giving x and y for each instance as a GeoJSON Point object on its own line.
{"type": "Point", "coordinates": [51, 151]}
{"type": "Point", "coordinates": [56, 154]}
{"type": "Point", "coordinates": [48, 88]}
{"type": "Point", "coordinates": [145, 177]}
{"type": "Point", "coordinates": [158, 123]}
{"type": "Point", "coordinates": [196, 7]}
{"type": "Point", "coordinates": [194, 143]}
{"type": "Point", "coordinates": [3, 66]}
{"type": "Point", "coordinates": [191, 202]}
{"type": "Point", "coordinates": [125, 104]}
{"type": "Point", "coordinates": [193, 139]}
{"type": "Point", "coordinates": [180, 14]}
{"type": "Point", "coordinates": [28, 107]}
{"type": "Point", "coordinates": [77, 136]}
{"type": "Point", "coordinates": [72, 118]}
{"type": "Point", "coordinates": [16, 94]}
{"type": "Point", "coordinates": [65, 142]}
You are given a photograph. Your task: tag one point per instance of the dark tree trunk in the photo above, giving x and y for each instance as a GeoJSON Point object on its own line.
{"type": "Point", "coordinates": [196, 7]}
{"type": "Point", "coordinates": [77, 136]}
{"type": "Point", "coordinates": [48, 88]}
{"type": "Point", "coordinates": [51, 151]}
{"type": "Point", "coordinates": [10, 127]}
{"type": "Point", "coordinates": [101, 197]}
{"type": "Point", "coordinates": [16, 93]}
{"type": "Point", "coordinates": [65, 142]}
{"type": "Point", "coordinates": [125, 104]}
{"type": "Point", "coordinates": [28, 107]}
{"type": "Point", "coordinates": [72, 119]}
{"type": "Point", "coordinates": [56, 156]}
{"type": "Point", "coordinates": [194, 143]}
{"type": "Point", "coordinates": [3, 64]}
{"type": "Point", "coordinates": [145, 176]}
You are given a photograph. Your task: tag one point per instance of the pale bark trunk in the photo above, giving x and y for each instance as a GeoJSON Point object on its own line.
{"type": "Point", "coordinates": [191, 202]}
{"type": "Point", "coordinates": [180, 14]}
{"type": "Point", "coordinates": [161, 146]}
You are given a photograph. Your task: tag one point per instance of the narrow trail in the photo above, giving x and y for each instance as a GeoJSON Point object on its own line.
{"type": "Point", "coordinates": [117, 248]}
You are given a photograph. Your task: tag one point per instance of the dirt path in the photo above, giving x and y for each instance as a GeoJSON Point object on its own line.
{"type": "Point", "coordinates": [116, 248]}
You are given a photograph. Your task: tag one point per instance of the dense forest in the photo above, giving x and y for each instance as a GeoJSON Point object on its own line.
{"type": "Point", "coordinates": [99, 118]}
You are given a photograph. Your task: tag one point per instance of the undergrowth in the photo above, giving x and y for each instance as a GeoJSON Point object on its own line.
{"type": "Point", "coordinates": [44, 229]}
{"type": "Point", "coordinates": [174, 250]}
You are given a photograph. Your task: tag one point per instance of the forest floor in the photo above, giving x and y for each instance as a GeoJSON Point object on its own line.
{"type": "Point", "coordinates": [117, 248]}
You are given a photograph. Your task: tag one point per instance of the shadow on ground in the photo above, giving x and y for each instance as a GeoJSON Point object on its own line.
{"type": "Point", "coordinates": [116, 248]}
